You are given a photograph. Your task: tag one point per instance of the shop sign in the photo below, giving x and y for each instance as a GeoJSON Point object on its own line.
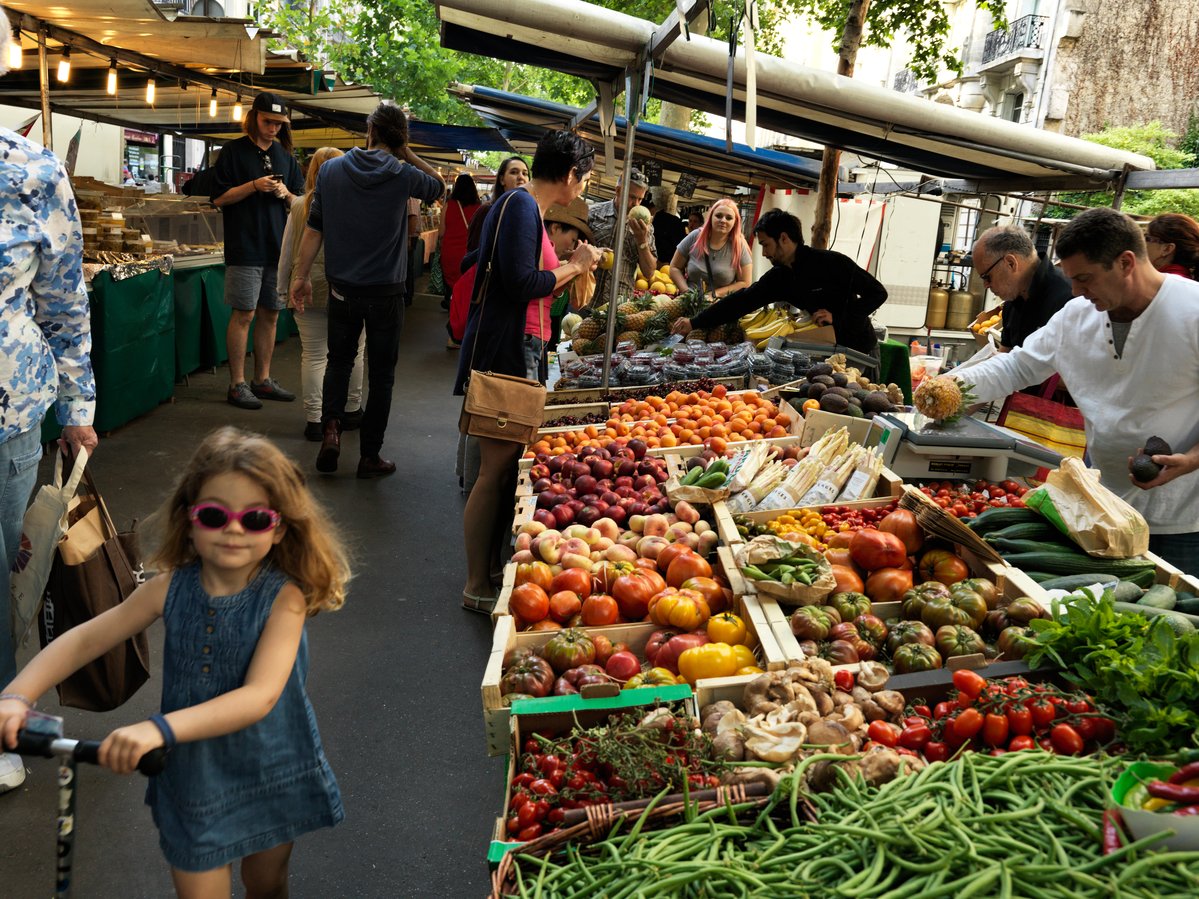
{"type": "Point", "coordinates": [141, 137]}
{"type": "Point", "coordinates": [686, 186]}
{"type": "Point", "coordinates": [652, 170]}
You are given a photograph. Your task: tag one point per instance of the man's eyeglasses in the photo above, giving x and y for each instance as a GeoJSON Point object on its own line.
{"type": "Point", "coordinates": [985, 277]}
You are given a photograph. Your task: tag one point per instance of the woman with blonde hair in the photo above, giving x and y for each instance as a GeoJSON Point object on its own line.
{"type": "Point", "coordinates": [715, 256]}
{"type": "Point", "coordinates": [313, 321]}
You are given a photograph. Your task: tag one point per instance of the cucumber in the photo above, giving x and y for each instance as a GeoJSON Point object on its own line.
{"type": "Point", "coordinates": [1074, 582]}
{"type": "Point", "coordinates": [1159, 596]}
{"type": "Point", "coordinates": [1032, 530]}
{"type": "Point", "coordinates": [1182, 624]}
{"type": "Point", "coordinates": [1004, 546]}
{"type": "Point", "coordinates": [996, 518]}
{"type": "Point", "coordinates": [1187, 603]}
{"type": "Point", "coordinates": [1140, 571]}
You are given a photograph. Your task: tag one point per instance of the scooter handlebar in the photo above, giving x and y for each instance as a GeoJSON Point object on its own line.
{"type": "Point", "coordinates": [150, 764]}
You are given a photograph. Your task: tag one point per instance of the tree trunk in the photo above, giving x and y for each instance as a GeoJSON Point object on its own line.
{"type": "Point", "coordinates": [830, 161]}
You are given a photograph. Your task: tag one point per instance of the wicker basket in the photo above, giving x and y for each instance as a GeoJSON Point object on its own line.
{"type": "Point", "coordinates": [600, 818]}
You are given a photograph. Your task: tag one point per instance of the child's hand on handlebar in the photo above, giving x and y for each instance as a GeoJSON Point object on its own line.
{"type": "Point", "coordinates": [124, 747]}
{"type": "Point", "coordinates": [12, 718]}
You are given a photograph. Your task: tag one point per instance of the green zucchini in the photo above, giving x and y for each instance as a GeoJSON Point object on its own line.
{"type": "Point", "coordinates": [1187, 603]}
{"type": "Point", "coordinates": [1031, 530]}
{"type": "Point", "coordinates": [1126, 591]}
{"type": "Point", "coordinates": [1182, 624]}
{"type": "Point", "coordinates": [1041, 576]}
{"type": "Point", "coordinates": [1159, 596]}
{"type": "Point", "coordinates": [996, 518]}
{"type": "Point", "coordinates": [1074, 582]}
{"type": "Point", "coordinates": [1004, 546]}
{"type": "Point", "coordinates": [1140, 571]}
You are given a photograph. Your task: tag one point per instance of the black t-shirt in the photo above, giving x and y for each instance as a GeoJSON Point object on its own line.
{"type": "Point", "coordinates": [1048, 292]}
{"type": "Point", "coordinates": [254, 226]}
{"type": "Point", "coordinates": [668, 231]}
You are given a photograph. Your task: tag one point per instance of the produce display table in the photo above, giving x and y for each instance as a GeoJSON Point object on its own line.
{"type": "Point", "coordinates": [907, 603]}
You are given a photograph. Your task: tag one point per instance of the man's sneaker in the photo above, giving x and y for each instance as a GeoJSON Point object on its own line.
{"type": "Point", "coordinates": [270, 389]}
{"type": "Point", "coordinates": [12, 771]}
{"type": "Point", "coordinates": [242, 396]}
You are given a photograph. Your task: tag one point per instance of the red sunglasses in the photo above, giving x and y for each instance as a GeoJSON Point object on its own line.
{"type": "Point", "coordinates": [214, 517]}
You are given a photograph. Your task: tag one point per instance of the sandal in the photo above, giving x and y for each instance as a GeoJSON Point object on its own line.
{"type": "Point", "coordinates": [484, 605]}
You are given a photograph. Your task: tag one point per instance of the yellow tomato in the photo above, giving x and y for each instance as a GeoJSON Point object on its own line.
{"type": "Point", "coordinates": [744, 656]}
{"type": "Point", "coordinates": [727, 628]}
{"type": "Point", "coordinates": [709, 660]}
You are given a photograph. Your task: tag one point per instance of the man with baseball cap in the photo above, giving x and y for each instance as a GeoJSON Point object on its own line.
{"type": "Point", "coordinates": [608, 225]}
{"type": "Point", "coordinates": [257, 179]}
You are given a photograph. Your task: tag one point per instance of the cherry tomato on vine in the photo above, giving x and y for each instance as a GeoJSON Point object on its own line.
{"type": "Point", "coordinates": [883, 732]}
{"type": "Point", "coordinates": [942, 710]}
{"type": "Point", "coordinates": [531, 832]}
{"type": "Point", "coordinates": [995, 730]}
{"type": "Point", "coordinates": [936, 751]}
{"type": "Point", "coordinates": [1019, 719]}
{"type": "Point", "coordinates": [969, 682]}
{"type": "Point", "coordinates": [1065, 740]}
{"type": "Point", "coordinates": [543, 787]}
{"type": "Point", "coordinates": [1043, 712]}
{"type": "Point", "coordinates": [967, 724]}
{"type": "Point", "coordinates": [915, 736]}
{"type": "Point", "coordinates": [922, 711]}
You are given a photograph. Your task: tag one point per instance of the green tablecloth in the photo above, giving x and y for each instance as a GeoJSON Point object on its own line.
{"type": "Point", "coordinates": [133, 345]}
{"type": "Point", "coordinates": [895, 366]}
{"type": "Point", "coordinates": [189, 314]}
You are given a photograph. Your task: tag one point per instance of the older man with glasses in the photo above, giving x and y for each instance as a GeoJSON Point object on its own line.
{"type": "Point", "coordinates": [1031, 287]}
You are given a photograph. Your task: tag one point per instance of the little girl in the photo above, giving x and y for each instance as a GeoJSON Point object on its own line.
{"type": "Point", "coordinates": [248, 555]}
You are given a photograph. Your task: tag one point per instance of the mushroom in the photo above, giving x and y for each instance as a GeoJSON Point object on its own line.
{"type": "Point", "coordinates": [872, 676]}
{"type": "Point", "coordinates": [729, 747]}
{"type": "Point", "coordinates": [850, 716]}
{"type": "Point", "coordinates": [768, 776]}
{"type": "Point", "coordinates": [892, 702]}
{"type": "Point", "coordinates": [832, 735]}
{"type": "Point", "coordinates": [713, 713]}
{"type": "Point", "coordinates": [780, 743]}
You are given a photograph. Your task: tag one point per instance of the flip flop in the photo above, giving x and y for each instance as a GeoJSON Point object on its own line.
{"type": "Point", "coordinates": [484, 605]}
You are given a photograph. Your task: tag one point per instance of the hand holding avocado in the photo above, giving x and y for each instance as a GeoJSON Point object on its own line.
{"type": "Point", "coordinates": [1156, 464]}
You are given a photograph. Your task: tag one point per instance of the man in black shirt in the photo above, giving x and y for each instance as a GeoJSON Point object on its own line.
{"type": "Point", "coordinates": [668, 228]}
{"type": "Point", "coordinates": [1031, 287]}
{"type": "Point", "coordinates": [829, 285]}
{"type": "Point", "coordinates": [256, 180]}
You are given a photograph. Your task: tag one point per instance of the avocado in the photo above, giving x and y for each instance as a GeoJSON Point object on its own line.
{"type": "Point", "coordinates": [876, 402]}
{"type": "Point", "coordinates": [855, 411]}
{"type": "Point", "coordinates": [1155, 446]}
{"type": "Point", "coordinates": [839, 378]}
{"type": "Point", "coordinates": [815, 391]}
{"type": "Point", "coordinates": [832, 402]}
{"type": "Point", "coordinates": [820, 368]}
{"type": "Point", "coordinates": [1144, 469]}
{"type": "Point", "coordinates": [840, 391]}
{"type": "Point", "coordinates": [826, 380]}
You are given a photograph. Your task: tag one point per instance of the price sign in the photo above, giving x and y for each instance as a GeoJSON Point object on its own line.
{"type": "Point", "coordinates": [652, 170]}
{"type": "Point", "coordinates": [686, 186]}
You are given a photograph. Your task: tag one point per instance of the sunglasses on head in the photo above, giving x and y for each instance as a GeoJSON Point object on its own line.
{"type": "Point", "coordinates": [214, 517]}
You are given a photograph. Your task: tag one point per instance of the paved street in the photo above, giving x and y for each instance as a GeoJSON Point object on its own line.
{"type": "Point", "coordinates": [394, 676]}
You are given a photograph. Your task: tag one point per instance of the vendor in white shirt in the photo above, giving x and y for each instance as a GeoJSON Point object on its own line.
{"type": "Point", "coordinates": [1127, 347]}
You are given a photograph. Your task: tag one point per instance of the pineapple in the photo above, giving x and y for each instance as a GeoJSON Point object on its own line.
{"type": "Point", "coordinates": [589, 329]}
{"type": "Point", "coordinates": [631, 336]}
{"type": "Point", "coordinates": [697, 334]}
{"type": "Point", "coordinates": [656, 329]}
{"type": "Point", "coordinates": [579, 345]}
{"type": "Point", "coordinates": [627, 308]}
{"type": "Point", "coordinates": [637, 320]}
{"type": "Point", "coordinates": [732, 333]}
{"type": "Point", "coordinates": [693, 302]}
{"type": "Point", "coordinates": [671, 307]}
{"type": "Point", "coordinates": [942, 398]}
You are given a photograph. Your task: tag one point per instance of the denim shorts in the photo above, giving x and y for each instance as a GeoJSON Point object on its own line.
{"type": "Point", "coordinates": [250, 287]}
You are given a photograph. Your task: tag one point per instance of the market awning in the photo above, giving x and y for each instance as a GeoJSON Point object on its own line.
{"type": "Point", "coordinates": [522, 120]}
{"type": "Point", "coordinates": [600, 44]}
{"type": "Point", "coordinates": [211, 44]}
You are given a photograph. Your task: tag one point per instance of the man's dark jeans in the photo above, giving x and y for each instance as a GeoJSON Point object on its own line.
{"type": "Point", "coordinates": [383, 317]}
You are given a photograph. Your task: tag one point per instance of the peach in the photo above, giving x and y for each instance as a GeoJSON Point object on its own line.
{"type": "Point", "coordinates": [630, 539]}
{"type": "Point", "coordinates": [574, 560]}
{"type": "Point", "coordinates": [602, 544]}
{"type": "Point", "coordinates": [707, 543]}
{"type": "Point", "coordinates": [686, 512]}
{"type": "Point", "coordinates": [655, 526]}
{"type": "Point", "coordinates": [620, 553]}
{"type": "Point", "coordinates": [649, 547]}
{"type": "Point", "coordinates": [524, 540]}
{"type": "Point", "coordinates": [637, 523]}
{"type": "Point", "coordinates": [532, 528]}
{"type": "Point", "coordinates": [576, 531]}
{"type": "Point", "coordinates": [575, 547]}
{"type": "Point", "coordinates": [523, 556]}
{"type": "Point", "coordinates": [608, 528]}
{"type": "Point", "coordinates": [701, 527]}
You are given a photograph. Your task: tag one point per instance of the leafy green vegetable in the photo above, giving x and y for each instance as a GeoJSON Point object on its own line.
{"type": "Point", "coordinates": [1137, 666]}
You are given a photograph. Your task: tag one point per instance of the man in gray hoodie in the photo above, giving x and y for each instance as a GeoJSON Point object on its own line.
{"type": "Point", "coordinates": [360, 212]}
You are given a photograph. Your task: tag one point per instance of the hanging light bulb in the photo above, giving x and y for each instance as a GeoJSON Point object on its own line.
{"type": "Point", "coordinates": [64, 65]}
{"type": "Point", "coordinates": [150, 90]}
{"type": "Point", "coordinates": [14, 50]}
{"type": "Point", "coordinates": [237, 110]}
{"type": "Point", "coordinates": [112, 78]}
{"type": "Point", "coordinates": [212, 105]}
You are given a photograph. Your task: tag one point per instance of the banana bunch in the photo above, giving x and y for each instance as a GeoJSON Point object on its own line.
{"type": "Point", "coordinates": [766, 323]}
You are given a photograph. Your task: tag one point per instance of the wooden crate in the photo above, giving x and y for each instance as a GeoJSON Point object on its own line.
{"type": "Point", "coordinates": [889, 487]}
{"type": "Point", "coordinates": [507, 637]}
{"type": "Point", "coordinates": [578, 410]}
{"type": "Point", "coordinates": [595, 394]}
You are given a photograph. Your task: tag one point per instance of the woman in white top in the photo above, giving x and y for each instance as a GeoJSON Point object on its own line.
{"type": "Point", "coordinates": [716, 255]}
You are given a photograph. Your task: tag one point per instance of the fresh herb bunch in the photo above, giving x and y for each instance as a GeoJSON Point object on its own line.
{"type": "Point", "coordinates": [1137, 666]}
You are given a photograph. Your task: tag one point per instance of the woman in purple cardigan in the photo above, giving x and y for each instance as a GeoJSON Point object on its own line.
{"type": "Point", "coordinates": [512, 240]}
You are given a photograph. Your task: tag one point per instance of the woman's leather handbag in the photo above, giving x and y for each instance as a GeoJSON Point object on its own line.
{"type": "Point", "coordinates": [500, 407]}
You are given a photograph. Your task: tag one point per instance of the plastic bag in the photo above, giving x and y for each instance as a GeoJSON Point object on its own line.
{"type": "Point", "coordinates": [1073, 501]}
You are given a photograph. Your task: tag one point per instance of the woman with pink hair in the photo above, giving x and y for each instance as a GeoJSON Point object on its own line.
{"type": "Point", "coordinates": [715, 257]}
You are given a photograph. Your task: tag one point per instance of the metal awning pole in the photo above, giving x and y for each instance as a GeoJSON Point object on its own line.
{"type": "Point", "coordinates": [43, 68]}
{"type": "Point", "coordinates": [633, 100]}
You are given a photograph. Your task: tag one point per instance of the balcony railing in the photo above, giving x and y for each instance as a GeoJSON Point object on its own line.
{"type": "Point", "coordinates": [1026, 32]}
{"type": "Point", "coordinates": [905, 81]}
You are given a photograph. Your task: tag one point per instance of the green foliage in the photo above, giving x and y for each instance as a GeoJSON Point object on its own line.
{"type": "Point", "coordinates": [1190, 138]}
{"type": "Point", "coordinates": [925, 23]}
{"type": "Point", "coordinates": [1152, 139]}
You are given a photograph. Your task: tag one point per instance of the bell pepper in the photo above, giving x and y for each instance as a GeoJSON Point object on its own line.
{"type": "Point", "coordinates": [710, 660]}
{"type": "Point", "coordinates": [684, 609]}
{"type": "Point", "coordinates": [727, 628]}
{"type": "Point", "coordinates": [744, 655]}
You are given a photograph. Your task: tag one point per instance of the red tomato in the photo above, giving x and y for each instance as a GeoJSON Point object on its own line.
{"type": "Point", "coordinates": [1021, 742]}
{"type": "Point", "coordinates": [995, 730]}
{"type": "Point", "coordinates": [915, 736]}
{"type": "Point", "coordinates": [1043, 712]}
{"type": "Point", "coordinates": [883, 732]}
{"type": "Point", "coordinates": [686, 566]}
{"type": "Point", "coordinates": [575, 580]}
{"type": "Point", "coordinates": [529, 602]}
{"type": "Point", "coordinates": [969, 682]}
{"type": "Point", "coordinates": [529, 833]}
{"type": "Point", "coordinates": [599, 610]}
{"type": "Point", "coordinates": [942, 709]}
{"type": "Point", "coordinates": [1065, 740]}
{"type": "Point", "coordinates": [843, 680]}
{"type": "Point", "coordinates": [922, 710]}
{"type": "Point", "coordinates": [967, 724]}
{"type": "Point", "coordinates": [1019, 720]}
{"type": "Point", "coordinates": [936, 751]}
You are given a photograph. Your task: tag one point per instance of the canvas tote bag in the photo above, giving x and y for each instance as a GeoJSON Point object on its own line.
{"type": "Point", "coordinates": [44, 524]}
{"type": "Point", "coordinates": [502, 407]}
{"type": "Point", "coordinates": [94, 570]}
